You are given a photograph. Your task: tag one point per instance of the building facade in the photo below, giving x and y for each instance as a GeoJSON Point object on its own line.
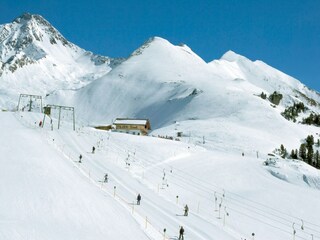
{"type": "Point", "coordinates": [132, 126]}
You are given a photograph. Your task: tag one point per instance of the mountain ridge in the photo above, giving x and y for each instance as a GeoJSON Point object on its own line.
{"type": "Point", "coordinates": [35, 58]}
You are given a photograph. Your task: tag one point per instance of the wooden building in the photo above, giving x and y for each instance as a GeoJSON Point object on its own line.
{"type": "Point", "coordinates": [132, 126]}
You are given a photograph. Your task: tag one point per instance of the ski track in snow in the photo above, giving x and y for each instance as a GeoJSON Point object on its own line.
{"type": "Point", "coordinates": [149, 164]}
{"type": "Point", "coordinates": [153, 208]}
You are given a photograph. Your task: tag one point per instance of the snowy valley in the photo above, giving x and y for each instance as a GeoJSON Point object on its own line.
{"type": "Point", "coordinates": [226, 120]}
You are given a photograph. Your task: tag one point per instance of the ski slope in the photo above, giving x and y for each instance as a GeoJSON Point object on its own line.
{"type": "Point", "coordinates": [48, 194]}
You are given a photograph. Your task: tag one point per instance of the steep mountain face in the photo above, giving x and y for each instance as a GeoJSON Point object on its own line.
{"type": "Point", "coordinates": [36, 59]}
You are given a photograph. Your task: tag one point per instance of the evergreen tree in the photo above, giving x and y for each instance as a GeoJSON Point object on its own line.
{"type": "Point", "coordinates": [318, 143]}
{"type": "Point", "coordinates": [303, 152]}
{"type": "Point", "coordinates": [310, 154]}
{"type": "Point", "coordinates": [292, 154]}
{"type": "Point", "coordinates": [317, 159]}
{"type": "Point", "coordinates": [263, 95]}
{"type": "Point", "coordinates": [310, 140]}
{"type": "Point", "coordinates": [283, 151]}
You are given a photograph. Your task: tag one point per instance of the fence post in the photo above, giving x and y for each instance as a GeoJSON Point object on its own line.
{"type": "Point", "coordinates": [177, 197]}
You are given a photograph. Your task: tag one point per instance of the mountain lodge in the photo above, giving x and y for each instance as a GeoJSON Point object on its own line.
{"type": "Point", "coordinates": [132, 126]}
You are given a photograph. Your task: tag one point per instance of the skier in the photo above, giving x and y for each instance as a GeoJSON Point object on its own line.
{"type": "Point", "coordinates": [106, 177]}
{"type": "Point", "coordinates": [80, 157]}
{"type": "Point", "coordinates": [186, 210]}
{"type": "Point", "coordinates": [181, 232]}
{"type": "Point", "coordinates": [40, 123]}
{"type": "Point", "coordinates": [138, 199]}
{"type": "Point", "coordinates": [93, 149]}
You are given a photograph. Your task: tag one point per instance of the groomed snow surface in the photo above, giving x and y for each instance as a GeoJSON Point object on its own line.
{"type": "Point", "coordinates": [47, 194]}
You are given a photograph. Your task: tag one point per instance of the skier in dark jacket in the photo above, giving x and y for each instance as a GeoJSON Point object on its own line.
{"type": "Point", "coordinates": [186, 210]}
{"type": "Point", "coordinates": [106, 177]}
{"type": "Point", "coordinates": [93, 149]}
{"type": "Point", "coordinates": [181, 232]}
{"type": "Point", "coordinates": [138, 199]}
{"type": "Point", "coordinates": [80, 157]}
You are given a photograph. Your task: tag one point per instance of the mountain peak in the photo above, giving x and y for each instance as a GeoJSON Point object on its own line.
{"type": "Point", "coordinates": [151, 41]}
{"type": "Point", "coordinates": [163, 49]}
{"type": "Point", "coordinates": [28, 39]}
{"type": "Point", "coordinates": [24, 16]}
{"type": "Point", "coordinates": [29, 33]}
{"type": "Point", "coordinates": [231, 56]}
{"type": "Point", "coordinates": [27, 17]}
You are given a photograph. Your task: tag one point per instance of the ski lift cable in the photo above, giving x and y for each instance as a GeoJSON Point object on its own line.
{"type": "Point", "coordinates": [237, 195]}
{"type": "Point", "coordinates": [161, 168]}
{"type": "Point", "coordinates": [191, 176]}
{"type": "Point", "coordinates": [206, 197]}
{"type": "Point", "coordinates": [229, 192]}
{"type": "Point", "coordinates": [280, 229]}
{"type": "Point", "coordinates": [267, 212]}
{"type": "Point", "coordinates": [239, 204]}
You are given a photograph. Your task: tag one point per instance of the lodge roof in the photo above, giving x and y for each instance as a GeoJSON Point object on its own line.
{"type": "Point", "coordinates": [130, 121]}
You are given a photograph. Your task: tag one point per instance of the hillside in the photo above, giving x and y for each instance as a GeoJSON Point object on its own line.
{"type": "Point", "coordinates": [48, 194]}
{"type": "Point", "coordinates": [220, 100]}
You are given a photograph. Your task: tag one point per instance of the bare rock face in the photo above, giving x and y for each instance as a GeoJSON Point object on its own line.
{"type": "Point", "coordinates": [23, 41]}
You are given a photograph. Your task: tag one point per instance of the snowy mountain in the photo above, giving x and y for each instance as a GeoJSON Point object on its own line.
{"type": "Point", "coordinates": [36, 59]}
{"type": "Point", "coordinates": [229, 113]}
{"type": "Point", "coordinates": [162, 79]}
{"type": "Point", "coordinates": [171, 84]}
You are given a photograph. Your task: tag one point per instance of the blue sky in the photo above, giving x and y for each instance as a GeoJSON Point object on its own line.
{"type": "Point", "coordinates": [283, 33]}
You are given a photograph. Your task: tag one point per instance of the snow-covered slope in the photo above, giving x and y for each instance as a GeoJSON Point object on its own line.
{"type": "Point", "coordinates": [45, 197]}
{"type": "Point", "coordinates": [168, 83]}
{"type": "Point", "coordinates": [258, 73]}
{"type": "Point", "coordinates": [47, 194]}
{"type": "Point", "coordinates": [219, 101]}
{"type": "Point", "coordinates": [157, 82]}
{"type": "Point", "coordinates": [36, 59]}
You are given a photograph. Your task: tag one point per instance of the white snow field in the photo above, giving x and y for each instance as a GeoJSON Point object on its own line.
{"type": "Point", "coordinates": [47, 194]}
